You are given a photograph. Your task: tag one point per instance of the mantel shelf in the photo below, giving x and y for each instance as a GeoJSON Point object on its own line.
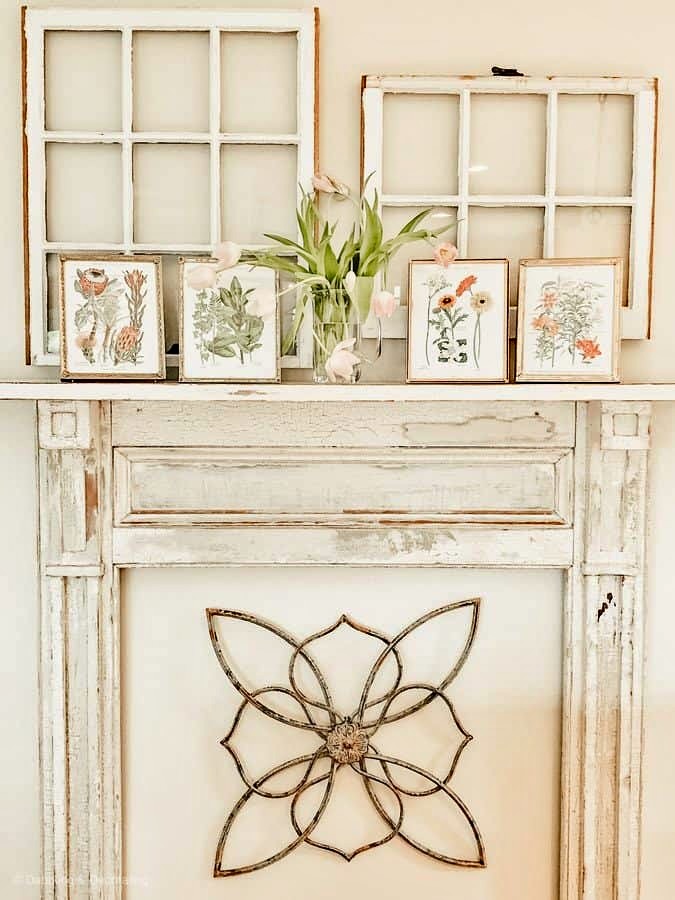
{"type": "Point", "coordinates": [304, 393]}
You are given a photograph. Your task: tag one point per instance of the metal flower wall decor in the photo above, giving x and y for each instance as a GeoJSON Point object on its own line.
{"type": "Point", "coordinates": [344, 738]}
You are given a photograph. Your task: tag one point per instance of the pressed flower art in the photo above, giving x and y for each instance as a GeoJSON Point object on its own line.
{"type": "Point", "coordinates": [568, 319]}
{"type": "Point", "coordinates": [111, 318]}
{"type": "Point", "coordinates": [229, 320]}
{"type": "Point", "coordinates": [457, 320]}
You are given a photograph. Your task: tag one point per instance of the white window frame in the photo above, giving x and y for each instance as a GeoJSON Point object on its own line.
{"type": "Point", "coordinates": [636, 315]}
{"type": "Point", "coordinates": [127, 21]}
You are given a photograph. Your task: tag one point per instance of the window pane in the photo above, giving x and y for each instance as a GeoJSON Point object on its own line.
{"type": "Point", "coordinates": [53, 278]}
{"type": "Point", "coordinates": [171, 194]}
{"type": "Point", "coordinates": [594, 231]}
{"type": "Point", "coordinates": [393, 219]}
{"type": "Point", "coordinates": [84, 192]}
{"type": "Point", "coordinates": [83, 73]}
{"type": "Point", "coordinates": [508, 144]}
{"type": "Point", "coordinates": [259, 83]}
{"type": "Point", "coordinates": [258, 192]}
{"type": "Point", "coordinates": [595, 145]}
{"type": "Point", "coordinates": [171, 81]}
{"type": "Point", "coordinates": [512, 233]}
{"type": "Point", "coordinates": [420, 144]}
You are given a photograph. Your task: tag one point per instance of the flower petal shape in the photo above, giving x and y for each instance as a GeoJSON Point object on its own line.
{"type": "Point", "coordinates": [345, 622]}
{"type": "Point", "coordinates": [387, 763]}
{"type": "Point", "coordinates": [253, 694]}
{"type": "Point", "coordinates": [426, 739]}
{"type": "Point", "coordinates": [348, 855]}
{"type": "Point", "coordinates": [222, 871]}
{"type": "Point", "coordinates": [451, 609]}
{"type": "Point", "coordinates": [247, 708]}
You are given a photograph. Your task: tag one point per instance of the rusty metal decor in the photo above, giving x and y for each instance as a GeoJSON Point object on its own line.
{"type": "Point", "coordinates": [346, 738]}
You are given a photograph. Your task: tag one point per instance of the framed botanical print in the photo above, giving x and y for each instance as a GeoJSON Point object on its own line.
{"type": "Point", "coordinates": [112, 323]}
{"type": "Point", "coordinates": [458, 321]}
{"type": "Point", "coordinates": [229, 323]}
{"type": "Point", "coordinates": [568, 320]}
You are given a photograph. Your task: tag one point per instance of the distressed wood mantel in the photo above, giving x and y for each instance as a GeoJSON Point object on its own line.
{"type": "Point", "coordinates": [164, 475]}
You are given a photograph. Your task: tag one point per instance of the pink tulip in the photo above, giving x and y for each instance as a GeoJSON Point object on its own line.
{"type": "Point", "coordinates": [228, 254]}
{"type": "Point", "coordinates": [445, 253]}
{"type": "Point", "coordinates": [263, 303]}
{"type": "Point", "coordinates": [201, 277]}
{"type": "Point", "coordinates": [341, 363]}
{"type": "Point", "coordinates": [324, 184]}
{"type": "Point", "coordinates": [383, 304]}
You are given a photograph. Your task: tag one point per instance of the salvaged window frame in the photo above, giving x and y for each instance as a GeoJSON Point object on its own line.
{"type": "Point", "coordinates": [41, 346]}
{"type": "Point", "coordinates": [96, 518]}
{"type": "Point", "coordinates": [636, 315]}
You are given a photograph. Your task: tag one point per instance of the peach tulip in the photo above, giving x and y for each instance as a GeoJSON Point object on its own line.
{"type": "Point", "coordinates": [342, 362]}
{"type": "Point", "coordinates": [445, 253]}
{"type": "Point", "coordinates": [324, 184]}
{"type": "Point", "coordinates": [228, 254]}
{"type": "Point", "coordinates": [201, 277]}
{"type": "Point", "coordinates": [383, 304]}
{"type": "Point", "coordinates": [263, 303]}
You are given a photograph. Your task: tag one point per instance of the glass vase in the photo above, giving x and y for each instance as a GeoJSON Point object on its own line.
{"type": "Point", "coordinates": [337, 336]}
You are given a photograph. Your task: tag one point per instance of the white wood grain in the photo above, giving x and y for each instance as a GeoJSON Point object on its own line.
{"type": "Point", "coordinates": [327, 395]}
{"type": "Point", "coordinates": [194, 485]}
{"type": "Point", "coordinates": [343, 424]}
{"type": "Point", "coordinates": [436, 545]}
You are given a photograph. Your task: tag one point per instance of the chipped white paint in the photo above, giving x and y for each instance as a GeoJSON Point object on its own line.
{"type": "Point", "coordinates": [343, 487]}
{"type": "Point", "coordinates": [177, 503]}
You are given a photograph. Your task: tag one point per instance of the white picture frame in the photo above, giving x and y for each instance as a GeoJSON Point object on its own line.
{"type": "Point", "coordinates": [111, 317]}
{"type": "Point", "coordinates": [568, 320]}
{"type": "Point", "coordinates": [458, 321]}
{"type": "Point", "coordinates": [229, 332]}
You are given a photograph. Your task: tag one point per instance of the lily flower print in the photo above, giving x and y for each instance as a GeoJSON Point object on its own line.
{"type": "Point", "coordinates": [344, 740]}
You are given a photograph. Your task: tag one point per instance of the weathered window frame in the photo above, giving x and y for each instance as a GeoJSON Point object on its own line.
{"type": "Point", "coordinates": [636, 315]}
{"type": "Point", "coordinates": [36, 22]}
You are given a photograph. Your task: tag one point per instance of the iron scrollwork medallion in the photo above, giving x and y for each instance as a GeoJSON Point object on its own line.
{"type": "Point", "coordinates": [348, 738]}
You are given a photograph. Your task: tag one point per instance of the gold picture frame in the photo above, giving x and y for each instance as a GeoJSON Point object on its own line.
{"type": "Point", "coordinates": [117, 347]}
{"type": "Point", "coordinates": [500, 341]}
{"type": "Point", "coordinates": [567, 324]}
{"type": "Point", "coordinates": [189, 376]}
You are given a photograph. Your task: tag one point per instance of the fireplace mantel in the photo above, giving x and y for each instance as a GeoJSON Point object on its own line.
{"type": "Point", "coordinates": [176, 474]}
{"type": "Point", "coordinates": [310, 393]}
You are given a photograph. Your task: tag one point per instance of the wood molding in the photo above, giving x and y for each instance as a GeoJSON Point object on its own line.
{"type": "Point", "coordinates": [601, 449]}
{"type": "Point", "coordinates": [79, 675]}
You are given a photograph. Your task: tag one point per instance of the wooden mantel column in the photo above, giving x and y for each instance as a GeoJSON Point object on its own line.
{"type": "Point", "coordinates": [602, 740]}
{"type": "Point", "coordinates": [79, 733]}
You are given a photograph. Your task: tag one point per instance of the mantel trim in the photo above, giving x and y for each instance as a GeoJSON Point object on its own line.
{"type": "Point", "coordinates": [599, 545]}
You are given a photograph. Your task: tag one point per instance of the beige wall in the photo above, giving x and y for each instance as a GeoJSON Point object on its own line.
{"type": "Point", "coordinates": [424, 36]}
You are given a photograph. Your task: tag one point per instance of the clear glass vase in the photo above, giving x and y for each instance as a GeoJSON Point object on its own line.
{"type": "Point", "coordinates": [337, 337]}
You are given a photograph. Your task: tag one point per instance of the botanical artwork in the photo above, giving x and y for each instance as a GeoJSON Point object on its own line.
{"type": "Point", "coordinates": [111, 317]}
{"type": "Point", "coordinates": [230, 328]}
{"type": "Point", "coordinates": [458, 321]}
{"type": "Point", "coordinates": [568, 319]}
{"type": "Point", "coordinates": [345, 740]}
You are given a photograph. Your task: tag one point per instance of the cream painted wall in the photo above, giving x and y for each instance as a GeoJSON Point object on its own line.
{"type": "Point", "coordinates": [425, 36]}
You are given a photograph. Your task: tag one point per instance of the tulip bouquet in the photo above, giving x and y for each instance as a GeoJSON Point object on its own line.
{"type": "Point", "coordinates": [336, 285]}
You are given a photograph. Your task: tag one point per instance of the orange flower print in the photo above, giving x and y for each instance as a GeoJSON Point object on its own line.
{"type": "Point", "coordinates": [466, 284]}
{"type": "Point", "coordinates": [540, 323]}
{"type": "Point", "coordinates": [549, 299]}
{"type": "Point", "coordinates": [446, 301]}
{"type": "Point", "coordinates": [589, 349]}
